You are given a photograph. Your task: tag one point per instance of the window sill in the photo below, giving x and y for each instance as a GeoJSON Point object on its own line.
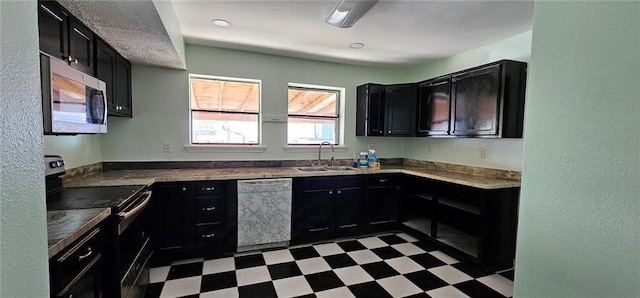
{"type": "Point", "coordinates": [225, 148]}
{"type": "Point", "coordinates": [313, 148]}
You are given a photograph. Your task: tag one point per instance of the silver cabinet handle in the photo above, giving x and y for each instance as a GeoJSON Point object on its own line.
{"type": "Point", "coordinates": [389, 131]}
{"type": "Point", "coordinates": [208, 208]}
{"type": "Point", "coordinates": [339, 191]}
{"type": "Point", "coordinates": [383, 180]}
{"type": "Point", "coordinates": [331, 192]}
{"type": "Point", "coordinates": [318, 229]}
{"type": "Point", "coordinates": [209, 188]}
{"type": "Point", "coordinates": [72, 60]}
{"type": "Point", "coordinates": [184, 189]}
{"type": "Point", "coordinates": [208, 235]}
{"type": "Point", "coordinates": [86, 255]}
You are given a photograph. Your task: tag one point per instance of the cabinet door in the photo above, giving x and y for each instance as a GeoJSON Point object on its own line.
{"type": "Point", "coordinates": [174, 202]}
{"type": "Point", "coordinates": [400, 100]}
{"type": "Point", "coordinates": [123, 87]}
{"type": "Point", "coordinates": [375, 114]}
{"type": "Point", "coordinates": [80, 46]}
{"type": "Point", "coordinates": [349, 208]}
{"type": "Point", "coordinates": [476, 102]}
{"type": "Point", "coordinates": [52, 29]}
{"type": "Point", "coordinates": [105, 71]}
{"type": "Point", "coordinates": [382, 205]}
{"type": "Point", "coordinates": [434, 102]}
{"type": "Point", "coordinates": [319, 209]}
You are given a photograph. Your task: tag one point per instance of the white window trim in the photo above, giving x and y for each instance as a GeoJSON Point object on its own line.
{"type": "Point", "coordinates": [341, 111]}
{"type": "Point", "coordinates": [219, 147]}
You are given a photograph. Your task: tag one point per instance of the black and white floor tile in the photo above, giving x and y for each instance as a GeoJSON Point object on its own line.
{"type": "Point", "coordinates": [391, 265]}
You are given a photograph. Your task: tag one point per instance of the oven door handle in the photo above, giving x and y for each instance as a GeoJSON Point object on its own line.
{"type": "Point", "coordinates": [124, 215]}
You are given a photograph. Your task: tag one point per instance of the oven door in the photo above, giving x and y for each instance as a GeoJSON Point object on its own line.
{"type": "Point", "coordinates": [134, 247]}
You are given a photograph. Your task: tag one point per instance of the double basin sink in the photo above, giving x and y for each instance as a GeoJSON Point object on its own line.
{"type": "Point", "coordinates": [325, 168]}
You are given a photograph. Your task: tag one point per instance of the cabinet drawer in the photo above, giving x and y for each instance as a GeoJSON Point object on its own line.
{"type": "Point", "coordinates": [208, 210]}
{"type": "Point", "coordinates": [348, 181]}
{"type": "Point", "coordinates": [81, 255]}
{"type": "Point", "coordinates": [318, 183]}
{"type": "Point", "coordinates": [208, 188]}
{"type": "Point", "coordinates": [379, 180]}
{"type": "Point", "coordinates": [209, 235]}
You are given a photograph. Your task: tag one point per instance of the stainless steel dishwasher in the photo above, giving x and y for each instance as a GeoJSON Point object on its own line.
{"type": "Point", "coordinates": [264, 213]}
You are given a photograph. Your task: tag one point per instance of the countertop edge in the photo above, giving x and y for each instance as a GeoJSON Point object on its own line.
{"type": "Point", "coordinates": [73, 236]}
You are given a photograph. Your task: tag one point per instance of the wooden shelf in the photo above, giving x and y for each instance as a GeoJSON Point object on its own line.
{"type": "Point", "coordinates": [458, 239]}
{"type": "Point", "coordinates": [459, 205]}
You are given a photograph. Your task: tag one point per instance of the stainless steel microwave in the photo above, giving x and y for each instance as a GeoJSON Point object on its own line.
{"type": "Point", "coordinates": [73, 102]}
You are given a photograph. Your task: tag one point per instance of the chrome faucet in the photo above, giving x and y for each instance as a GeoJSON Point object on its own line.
{"type": "Point", "coordinates": [320, 152]}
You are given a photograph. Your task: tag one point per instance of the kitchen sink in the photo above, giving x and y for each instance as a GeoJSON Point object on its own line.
{"type": "Point", "coordinates": [324, 168]}
{"type": "Point", "coordinates": [311, 169]}
{"type": "Point", "coordinates": [340, 168]}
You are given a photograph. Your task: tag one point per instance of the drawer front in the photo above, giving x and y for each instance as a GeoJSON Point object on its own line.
{"type": "Point", "coordinates": [209, 235]}
{"type": "Point", "coordinates": [318, 183]}
{"type": "Point", "coordinates": [69, 263]}
{"type": "Point", "coordinates": [382, 180]}
{"type": "Point", "coordinates": [208, 210]}
{"type": "Point", "coordinates": [209, 188]}
{"type": "Point", "coordinates": [348, 181]}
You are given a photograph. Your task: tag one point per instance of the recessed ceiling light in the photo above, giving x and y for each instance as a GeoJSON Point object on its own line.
{"type": "Point", "coordinates": [356, 45]}
{"type": "Point", "coordinates": [221, 23]}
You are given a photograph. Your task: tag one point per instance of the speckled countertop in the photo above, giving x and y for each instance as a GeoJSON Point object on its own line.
{"type": "Point", "coordinates": [65, 226]}
{"type": "Point", "coordinates": [148, 177]}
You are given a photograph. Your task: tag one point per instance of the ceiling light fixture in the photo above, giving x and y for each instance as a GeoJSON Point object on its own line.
{"type": "Point", "coordinates": [221, 23]}
{"type": "Point", "coordinates": [347, 12]}
{"type": "Point", "coordinates": [356, 45]}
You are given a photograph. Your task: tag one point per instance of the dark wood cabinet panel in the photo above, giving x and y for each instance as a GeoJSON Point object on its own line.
{"type": "Point", "coordinates": [370, 114]}
{"type": "Point", "coordinates": [382, 196]}
{"type": "Point", "coordinates": [476, 101]}
{"type": "Point", "coordinates": [400, 107]}
{"type": "Point", "coordinates": [115, 71]}
{"type": "Point", "coordinates": [319, 211]}
{"type": "Point", "coordinates": [53, 29]}
{"type": "Point", "coordinates": [433, 107]}
{"type": "Point", "coordinates": [349, 208]}
{"type": "Point", "coordinates": [173, 205]}
{"type": "Point", "coordinates": [80, 46]}
{"type": "Point", "coordinates": [105, 71]}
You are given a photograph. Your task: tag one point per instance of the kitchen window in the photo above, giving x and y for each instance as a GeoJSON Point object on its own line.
{"type": "Point", "coordinates": [224, 110]}
{"type": "Point", "coordinates": [313, 114]}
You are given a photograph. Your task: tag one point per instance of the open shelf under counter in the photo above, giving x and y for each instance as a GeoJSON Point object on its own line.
{"type": "Point", "coordinates": [457, 239]}
{"type": "Point", "coordinates": [460, 205]}
{"type": "Point", "coordinates": [420, 224]}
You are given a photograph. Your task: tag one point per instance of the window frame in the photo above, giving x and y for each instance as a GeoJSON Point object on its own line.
{"type": "Point", "coordinates": [339, 118]}
{"type": "Point", "coordinates": [196, 147]}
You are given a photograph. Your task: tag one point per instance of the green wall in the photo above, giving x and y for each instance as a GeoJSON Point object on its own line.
{"type": "Point", "coordinates": [579, 225]}
{"type": "Point", "coordinates": [161, 105]}
{"type": "Point", "coordinates": [23, 226]}
{"type": "Point", "coordinates": [76, 150]}
{"type": "Point", "coordinates": [500, 153]}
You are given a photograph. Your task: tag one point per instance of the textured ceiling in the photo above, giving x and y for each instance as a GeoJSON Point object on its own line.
{"type": "Point", "coordinates": [133, 28]}
{"type": "Point", "coordinates": [395, 33]}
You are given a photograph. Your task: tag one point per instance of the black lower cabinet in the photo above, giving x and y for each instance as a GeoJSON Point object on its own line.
{"type": "Point", "coordinates": [476, 224]}
{"type": "Point", "coordinates": [194, 219]}
{"type": "Point", "coordinates": [382, 197]}
{"type": "Point", "coordinates": [172, 205]}
{"type": "Point", "coordinates": [326, 207]}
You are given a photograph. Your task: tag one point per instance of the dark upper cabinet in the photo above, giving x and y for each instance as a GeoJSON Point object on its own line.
{"type": "Point", "coordinates": [488, 101]}
{"type": "Point", "coordinates": [370, 114]}
{"type": "Point", "coordinates": [400, 101]}
{"type": "Point", "coordinates": [433, 107]}
{"type": "Point", "coordinates": [53, 29]}
{"type": "Point", "coordinates": [115, 71]}
{"type": "Point", "coordinates": [63, 37]}
{"type": "Point", "coordinates": [385, 110]}
{"type": "Point", "coordinates": [476, 102]}
{"type": "Point", "coordinates": [80, 46]}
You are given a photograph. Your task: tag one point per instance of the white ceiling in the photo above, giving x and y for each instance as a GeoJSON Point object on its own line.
{"type": "Point", "coordinates": [395, 33]}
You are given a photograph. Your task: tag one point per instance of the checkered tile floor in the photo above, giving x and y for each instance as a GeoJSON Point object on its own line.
{"type": "Point", "coordinates": [391, 265]}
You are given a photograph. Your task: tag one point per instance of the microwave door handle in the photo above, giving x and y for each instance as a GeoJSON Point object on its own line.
{"type": "Point", "coordinates": [124, 215]}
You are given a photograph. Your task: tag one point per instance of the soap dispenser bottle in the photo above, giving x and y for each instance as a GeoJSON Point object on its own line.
{"type": "Point", "coordinates": [354, 163]}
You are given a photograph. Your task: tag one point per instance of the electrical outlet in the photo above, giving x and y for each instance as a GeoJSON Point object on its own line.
{"type": "Point", "coordinates": [483, 153]}
{"type": "Point", "coordinates": [166, 146]}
